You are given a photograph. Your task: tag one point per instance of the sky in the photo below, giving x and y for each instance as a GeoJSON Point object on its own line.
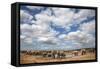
{"type": "Point", "coordinates": [53, 28]}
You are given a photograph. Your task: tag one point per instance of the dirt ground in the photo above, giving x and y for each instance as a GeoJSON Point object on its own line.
{"type": "Point", "coordinates": [25, 59]}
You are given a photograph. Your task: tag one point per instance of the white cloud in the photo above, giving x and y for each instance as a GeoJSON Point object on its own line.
{"type": "Point", "coordinates": [50, 40]}
{"type": "Point", "coordinates": [62, 36]}
{"type": "Point", "coordinates": [48, 11]}
{"type": "Point", "coordinates": [25, 26]}
{"type": "Point", "coordinates": [61, 11]}
{"type": "Point", "coordinates": [88, 27]}
{"type": "Point", "coordinates": [25, 17]}
{"type": "Point", "coordinates": [39, 27]}
{"type": "Point", "coordinates": [37, 31]}
{"type": "Point", "coordinates": [82, 38]}
{"type": "Point", "coordinates": [41, 30]}
{"type": "Point", "coordinates": [26, 33]}
{"type": "Point", "coordinates": [62, 17]}
{"type": "Point", "coordinates": [42, 39]}
{"type": "Point", "coordinates": [83, 14]}
{"type": "Point", "coordinates": [22, 36]}
{"type": "Point", "coordinates": [34, 7]}
{"type": "Point", "coordinates": [26, 29]}
{"type": "Point", "coordinates": [53, 32]}
{"type": "Point", "coordinates": [43, 17]}
{"type": "Point", "coordinates": [28, 40]}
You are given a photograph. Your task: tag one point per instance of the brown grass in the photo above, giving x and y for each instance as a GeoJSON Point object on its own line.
{"type": "Point", "coordinates": [25, 59]}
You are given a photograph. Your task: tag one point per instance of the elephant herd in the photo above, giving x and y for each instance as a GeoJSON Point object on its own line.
{"type": "Point", "coordinates": [45, 54]}
{"type": "Point", "coordinates": [77, 53]}
{"type": "Point", "coordinates": [54, 54]}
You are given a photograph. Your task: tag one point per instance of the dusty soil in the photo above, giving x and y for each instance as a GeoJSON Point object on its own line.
{"type": "Point", "coordinates": [25, 59]}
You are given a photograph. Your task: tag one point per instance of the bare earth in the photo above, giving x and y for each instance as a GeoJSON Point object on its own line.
{"type": "Point", "coordinates": [25, 59]}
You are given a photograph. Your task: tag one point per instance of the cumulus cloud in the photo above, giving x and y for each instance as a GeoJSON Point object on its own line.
{"type": "Point", "coordinates": [28, 40]}
{"type": "Point", "coordinates": [43, 17]}
{"type": "Point", "coordinates": [62, 36]}
{"type": "Point", "coordinates": [26, 30]}
{"type": "Point", "coordinates": [63, 16]}
{"type": "Point", "coordinates": [26, 33]}
{"type": "Point", "coordinates": [25, 17]}
{"type": "Point", "coordinates": [25, 26]}
{"type": "Point", "coordinates": [47, 40]}
{"type": "Point", "coordinates": [48, 11]}
{"type": "Point", "coordinates": [34, 7]}
{"type": "Point", "coordinates": [88, 27]}
{"type": "Point", "coordinates": [83, 14]}
{"type": "Point", "coordinates": [37, 28]}
{"type": "Point", "coordinates": [82, 38]}
{"type": "Point", "coordinates": [22, 36]}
